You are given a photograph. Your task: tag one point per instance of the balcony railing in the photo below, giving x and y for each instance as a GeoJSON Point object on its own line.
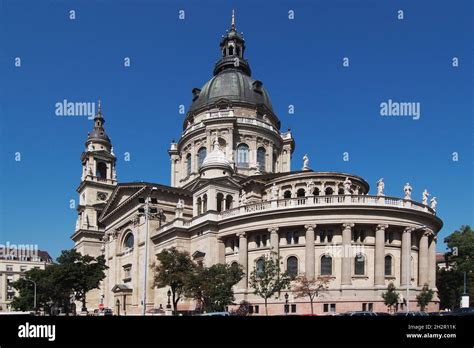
{"type": "Point", "coordinates": [334, 200]}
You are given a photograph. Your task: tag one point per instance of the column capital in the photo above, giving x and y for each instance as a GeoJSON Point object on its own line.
{"type": "Point", "coordinates": [273, 229]}
{"type": "Point", "coordinates": [310, 227]}
{"type": "Point", "coordinates": [241, 234]}
{"type": "Point", "coordinates": [409, 229]}
{"type": "Point", "coordinates": [427, 232]}
{"type": "Point", "coordinates": [382, 227]}
{"type": "Point", "coordinates": [220, 239]}
{"type": "Point", "coordinates": [348, 225]}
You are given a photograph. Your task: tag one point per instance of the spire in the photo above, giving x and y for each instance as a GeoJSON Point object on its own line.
{"type": "Point", "coordinates": [232, 24]}
{"type": "Point", "coordinates": [232, 47]}
{"type": "Point", "coordinates": [98, 133]}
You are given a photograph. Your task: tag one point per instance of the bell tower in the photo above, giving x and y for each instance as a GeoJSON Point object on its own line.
{"type": "Point", "coordinates": [98, 180]}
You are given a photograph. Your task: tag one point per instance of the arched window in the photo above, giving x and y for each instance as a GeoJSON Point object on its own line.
{"type": "Point", "coordinates": [199, 205]}
{"type": "Point", "coordinates": [238, 51]}
{"type": "Point", "coordinates": [128, 241]}
{"type": "Point", "coordinates": [243, 156]}
{"type": "Point", "coordinates": [101, 171]}
{"type": "Point", "coordinates": [388, 265]}
{"type": "Point", "coordinates": [188, 164]}
{"type": "Point", "coordinates": [300, 193]}
{"type": "Point", "coordinates": [260, 267]}
{"type": "Point", "coordinates": [328, 191]}
{"type": "Point", "coordinates": [261, 154]}
{"type": "Point", "coordinates": [359, 264]}
{"type": "Point", "coordinates": [201, 155]}
{"type": "Point", "coordinates": [287, 194]}
{"type": "Point", "coordinates": [292, 266]}
{"type": "Point", "coordinates": [231, 50]}
{"type": "Point", "coordinates": [340, 191]}
{"type": "Point", "coordinates": [220, 199]}
{"type": "Point", "coordinates": [204, 203]}
{"type": "Point", "coordinates": [228, 202]}
{"type": "Point", "coordinates": [316, 192]}
{"type": "Point", "coordinates": [234, 265]}
{"type": "Point", "coordinates": [326, 265]}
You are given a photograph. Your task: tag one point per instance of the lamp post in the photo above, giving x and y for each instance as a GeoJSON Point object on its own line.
{"type": "Point", "coordinates": [286, 304]}
{"type": "Point", "coordinates": [34, 292]}
{"type": "Point", "coordinates": [145, 263]}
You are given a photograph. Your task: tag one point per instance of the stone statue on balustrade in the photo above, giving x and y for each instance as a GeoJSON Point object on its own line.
{"type": "Point", "coordinates": [274, 192]}
{"type": "Point", "coordinates": [347, 186]}
{"type": "Point", "coordinates": [433, 203]}
{"type": "Point", "coordinates": [310, 186]}
{"type": "Point", "coordinates": [380, 187]}
{"type": "Point", "coordinates": [305, 162]}
{"type": "Point", "coordinates": [425, 196]}
{"type": "Point", "coordinates": [179, 209]}
{"type": "Point", "coordinates": [407, 189]}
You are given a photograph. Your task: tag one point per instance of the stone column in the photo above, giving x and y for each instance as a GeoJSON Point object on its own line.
{"type": "Point", "coordinates": [432, 262]}
{"type": "Point", "coordinates": [220, 250]}
{"type": "Point", "coordinates": [423, 259]}
{"type": "Point", "coordinates": [309, 252]}
{"type": "Point", "coordinates": [274, 240]}
{"type": "Point", "coordinates": [406, 256]}
{"type": "Point", "coordinates": [379, 266]}
{"type": "Point", "coordinates": [347, 256]}
{"type": "Point", "coordinates": [243, 258]}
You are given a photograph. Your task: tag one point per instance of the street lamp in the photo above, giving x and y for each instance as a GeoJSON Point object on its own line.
{"type": "Point", "coordinates": [168, 306]}
{"type": "Point", "coordinates": [286, 304]}
{"type": "Point", "coordinates": [34, 292]}
{"type": "Point", "coordinates": [145, 263]}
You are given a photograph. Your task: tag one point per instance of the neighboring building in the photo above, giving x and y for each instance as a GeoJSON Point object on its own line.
{"type": "Point", "coordinates": [234, 198]}
{"type": "Point", "coordinates": [441, 261]}
{"type": "Point", "coordinates": [12, 267]}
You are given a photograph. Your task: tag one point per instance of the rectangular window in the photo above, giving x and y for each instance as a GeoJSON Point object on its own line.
{"type": "Point", "coordinates": [9, 268]}
{"type": "Point", "coordinates": [256, 309]}
{"type": "Point", "coordinates": [293, 308]}
{"type": "Point", "coordinates": [127, 273]}
{"type": "Point", "coordinates": [22, 268]}
{"type": "Point", "coordinates": [329, 307]}
{"type": "Point", "coordinates": [326, 308]}
{"type": "Point", "coordinates": [250, 309]}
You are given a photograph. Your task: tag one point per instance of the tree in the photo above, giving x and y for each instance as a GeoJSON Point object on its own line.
{"type": "Point", "coordinates": [80, 273]}
{"type": "Point", "coordinates": [424, 297]}
{"type": "Point", "coordinates": [212, 286]}
{"type": "Point", "coordinates": [459, 260]}
{"type": "Point", "coordinates": [310, 288]}
{"type": "Point", "coordinates": [268, 279]}
{"type": "Point", "coordinates": [390, 297]}
{"type": "Point", "coordinates": [73, 275]}
{"type": "Point", "coordinates": [174, 269]}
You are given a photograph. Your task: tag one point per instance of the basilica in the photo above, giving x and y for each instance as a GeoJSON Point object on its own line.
{"type": "Point", "coordinates": [235, 197]}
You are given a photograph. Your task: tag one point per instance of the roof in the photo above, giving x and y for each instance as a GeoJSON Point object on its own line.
{"type": "Point", "coordinates": [232, 85]}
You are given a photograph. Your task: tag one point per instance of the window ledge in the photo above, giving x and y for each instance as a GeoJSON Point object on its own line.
{"type": "Point", "coordinates": [360, 277]}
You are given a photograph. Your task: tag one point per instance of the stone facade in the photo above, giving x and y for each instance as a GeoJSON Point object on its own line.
{"type": "Point", "coordinates": [234, 198]}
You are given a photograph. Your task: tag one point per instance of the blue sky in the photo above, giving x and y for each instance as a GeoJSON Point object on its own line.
{"type": "Point", "coordinates": [337, 109]}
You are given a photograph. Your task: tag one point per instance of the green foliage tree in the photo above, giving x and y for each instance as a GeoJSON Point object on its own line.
{"type": "Point", "coordinates": [269, 279]}
{"type": "Point", "coordinates": [81, 273]}
{"type": "Point", "coordinates": [459, 260]}
{"type": "Point", "coordinates": [424, 297]}
{"type": "Point", "coordinates": [311, 288]}
{"type": "Point", "coordinates": [73, 275]}
{"type": "Point", "coordinates": [390, 297]}
{"type": "Point", "coordinates": [212, 286]}
{"type": "Point", "coordinates": [174, 269]}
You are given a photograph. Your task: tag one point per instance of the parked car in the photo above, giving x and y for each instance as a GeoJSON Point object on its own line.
{"type": "Point", "coordinates": [216, 314]}
{"type": "Point", "coordinates": [463, 311]}
{"type": "Point", "coordinates": [105, 312]}
{"type": "Point", "coordinates": [382, 314]}
{"type": "Point", "coordinates": [361, 314]}
{"type": "Point", "coordinates": [410, 314]}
